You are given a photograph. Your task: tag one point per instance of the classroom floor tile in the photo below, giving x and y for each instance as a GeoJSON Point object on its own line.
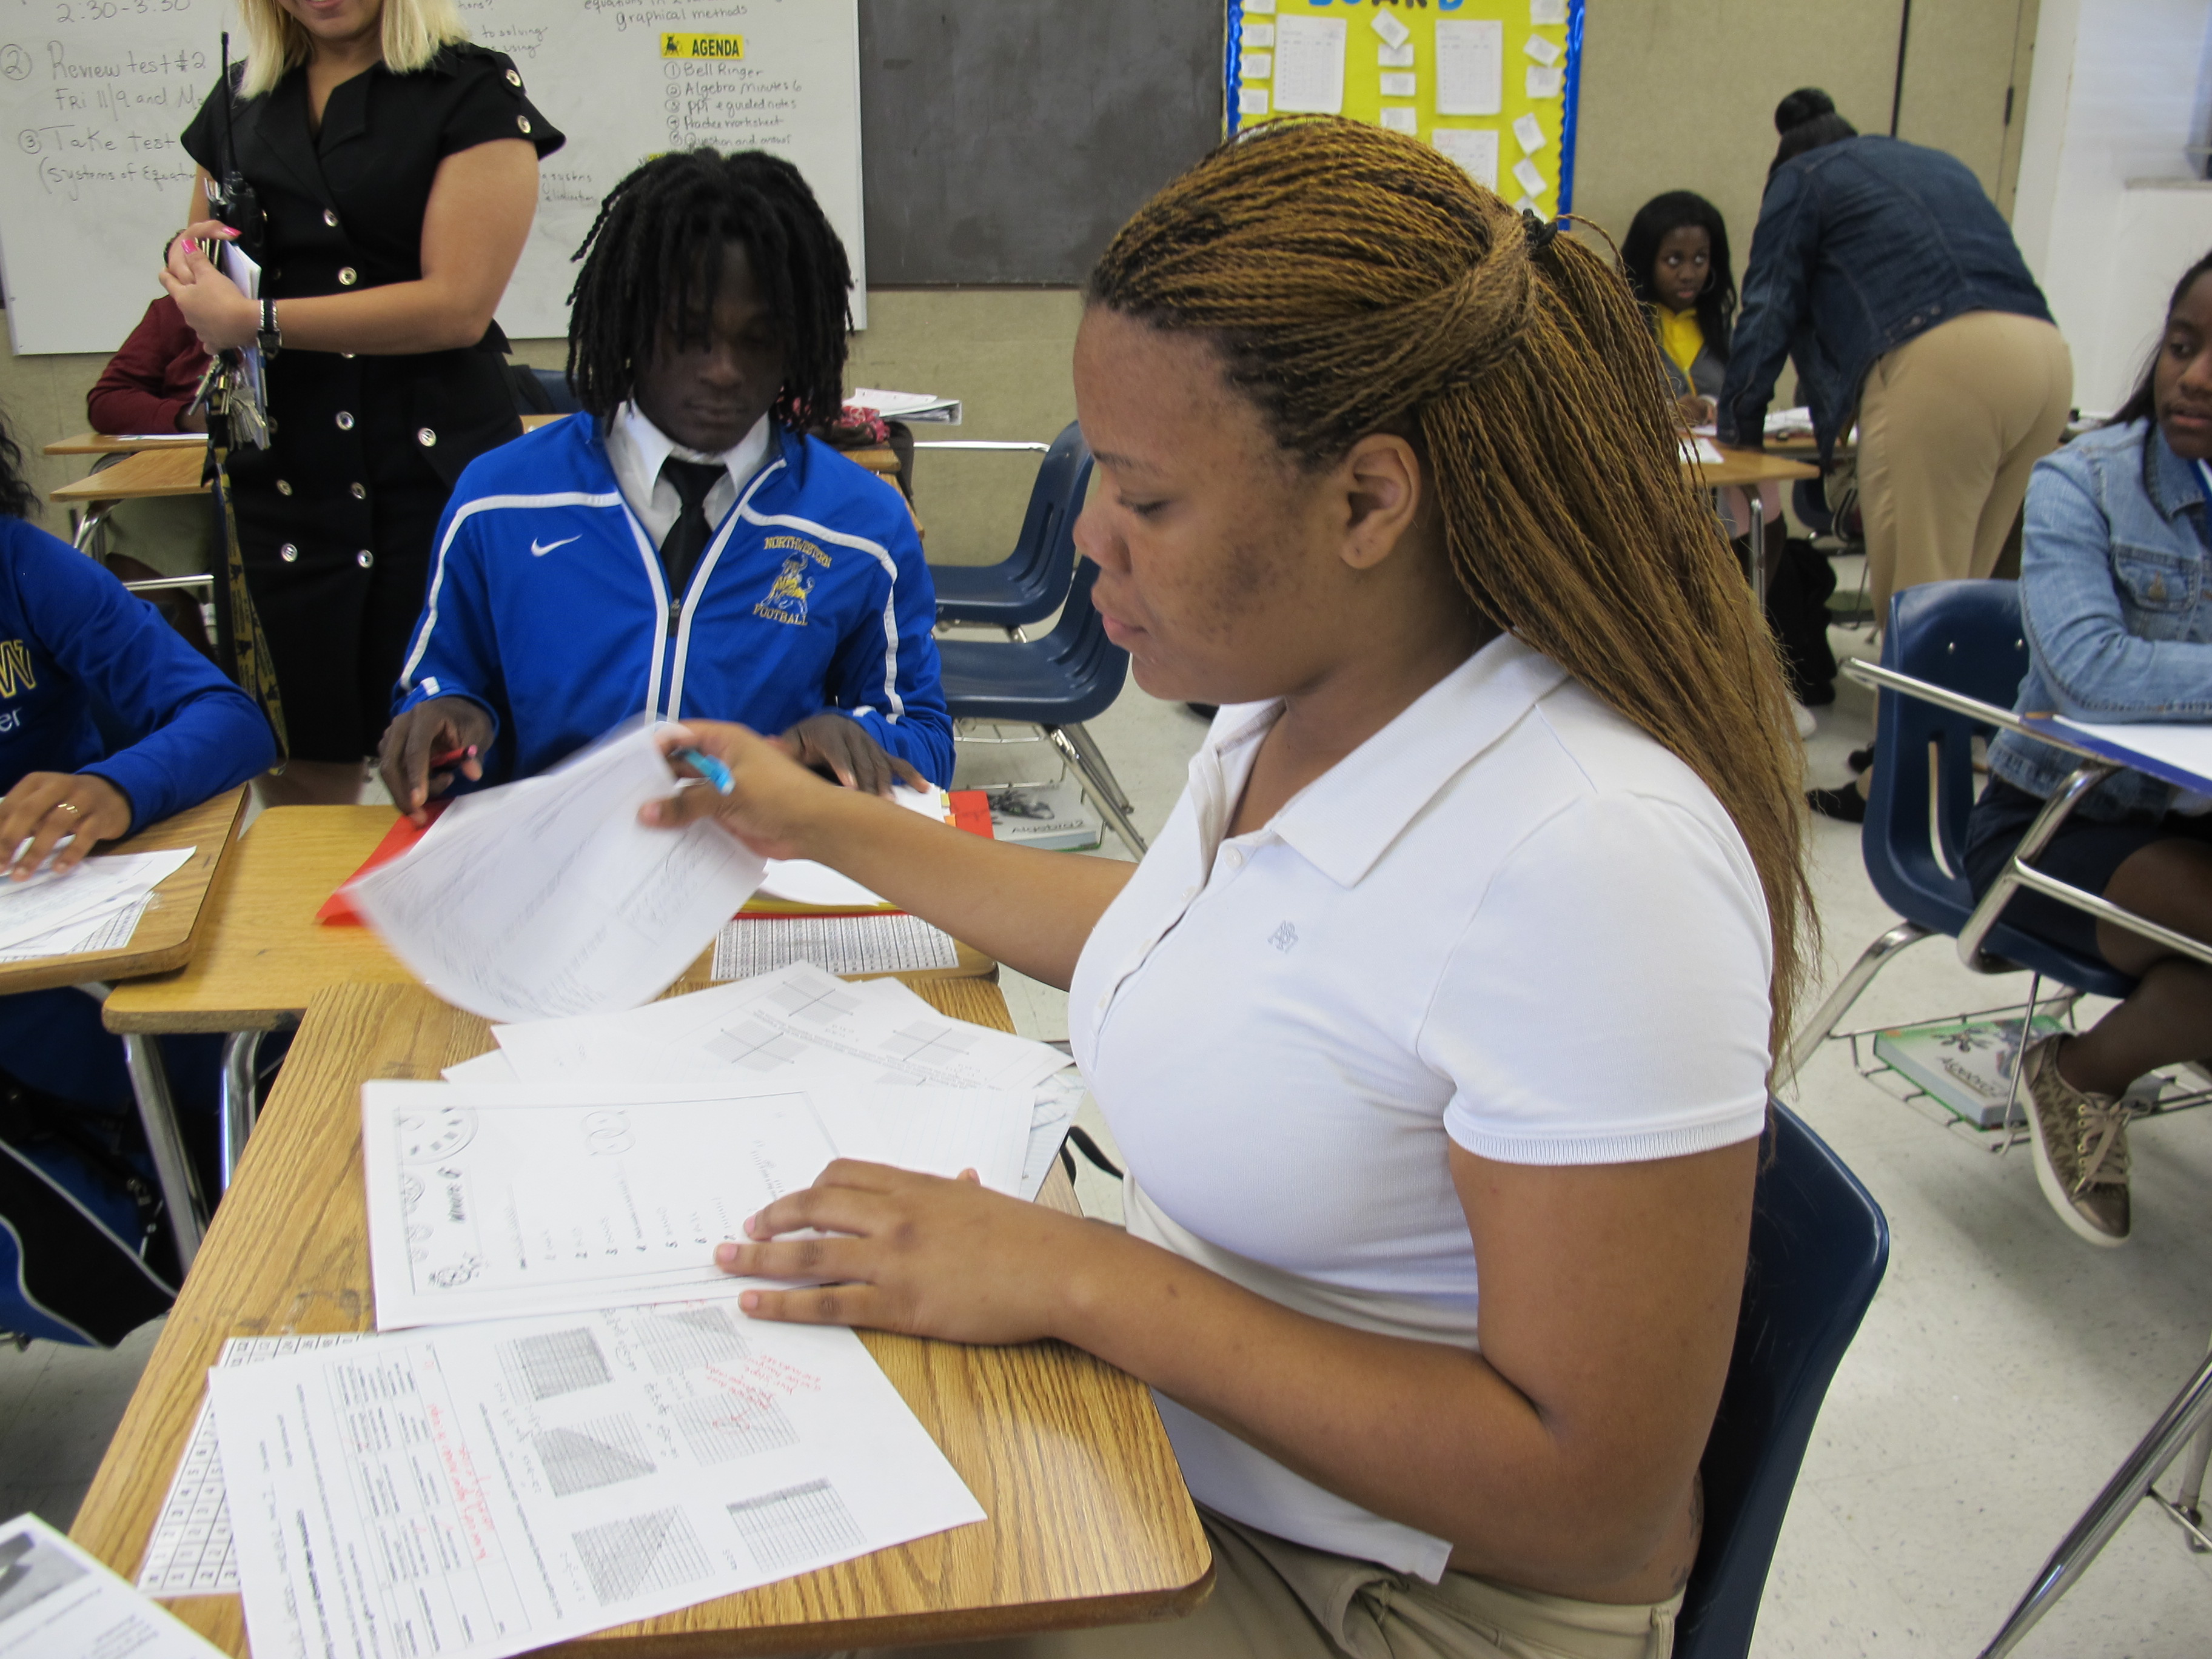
{"type": "Point", "coordinates": [2001, 1374]}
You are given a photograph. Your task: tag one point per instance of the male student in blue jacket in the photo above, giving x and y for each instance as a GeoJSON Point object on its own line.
{"type": "Point", "coordinates": [682, 549]}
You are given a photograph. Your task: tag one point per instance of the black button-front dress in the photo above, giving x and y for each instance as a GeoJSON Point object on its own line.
{"type": "Point", "coordinates": [336, 517]}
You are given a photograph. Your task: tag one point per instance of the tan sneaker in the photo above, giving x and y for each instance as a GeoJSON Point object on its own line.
{"type": "Point", "coordinates": [2081, 1147]}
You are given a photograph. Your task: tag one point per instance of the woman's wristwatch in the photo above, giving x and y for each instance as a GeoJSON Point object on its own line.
{"type": "Point", "coordinates": [270, 339]}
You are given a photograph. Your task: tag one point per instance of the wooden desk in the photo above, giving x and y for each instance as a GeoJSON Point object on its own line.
{"type": "Point", "coordinates": [1089, 1522]}
{"type": "Point", "coordinates": [173, 925]}
{"type": "Point", "coordinates": [266, 956]}
{"type": "Point", "coordinates": [110, 443]}
{"type": "Point", "coordinates": [174, 471]}
{"type": "Point", "coordinates": [1747, 468]}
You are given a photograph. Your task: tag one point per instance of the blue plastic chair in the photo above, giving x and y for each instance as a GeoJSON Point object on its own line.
{"type": "Point", "coordinates": [1965, 637]}
{"type": "Point", "coordinates": [555, 382]}
{"type": "Point", "coordinates": [1070, 676]}
{"type": "Point", "coordinates": [1031, 582]}
{"type": "Point", "coordinates": [1819, 1247]}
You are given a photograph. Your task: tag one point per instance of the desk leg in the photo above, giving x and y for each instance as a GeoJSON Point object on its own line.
{"type": "Point", "coordinates": [1757, 548]}
{"type": "Point", "coordinates": [180, 1189]}
{"type": "Point", "coordinates": [241, 1051]}
{"type": "Point", "coordinates": [95, 516]}
{"type": "Point", "coordinates": [157, 1114]}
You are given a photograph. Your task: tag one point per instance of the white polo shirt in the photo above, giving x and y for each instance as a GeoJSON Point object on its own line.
{"type": "Point", "coordinates": [1509, 918]}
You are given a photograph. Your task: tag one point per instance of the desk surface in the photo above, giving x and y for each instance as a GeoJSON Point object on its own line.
{"type": "Point", "coordinates": [173, 923]}
{"type": "Point", "coordinates": [112, 443]}
{"type": "Point", "coordinates": [1747, 466]}
{"type": "Point", "coordinates": [1089, 1520]}
{"type": "Point", "coordinates": [263, 954]}
{"type": "Point", "coordinates": [174, 471]}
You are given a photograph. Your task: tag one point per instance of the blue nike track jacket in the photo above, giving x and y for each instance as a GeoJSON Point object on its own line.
{"type": "Point", "coordinates": [547, 604]}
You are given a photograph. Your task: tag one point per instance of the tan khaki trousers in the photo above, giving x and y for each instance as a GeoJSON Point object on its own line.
{"type": "Point", "coordinates": [1950, 425]}
{"type": "Point", "coordinates": [1276, 1600]}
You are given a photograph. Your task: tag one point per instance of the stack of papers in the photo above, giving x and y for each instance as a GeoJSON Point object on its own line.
{"type": "Point", "coordinates": [548, 897]}
{"type": "Point", "coordinates": [568, 1423]}
{"type": "Point", "coordinates": [1701, 451]}
{"type": "Point", "coordinates": [920, 406]}
{"type": "Point", "coordinates": [93, 906]}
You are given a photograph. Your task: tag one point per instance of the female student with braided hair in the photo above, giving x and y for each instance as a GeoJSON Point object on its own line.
{"type": "Point", "coordinates": [1436, 1026]}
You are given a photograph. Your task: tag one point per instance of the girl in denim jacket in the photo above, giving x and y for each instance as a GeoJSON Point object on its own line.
{"type": "Point", "coordinates": [2116, 596]}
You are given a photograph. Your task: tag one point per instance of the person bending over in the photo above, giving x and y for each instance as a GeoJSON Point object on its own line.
{"type": "Point", "coordinates": [682, 548]}
{"type": "Point", "coordinates": [1435, 1026]}
{"type": "Point", "coordinates": [79, 652]}
{"type": "Point", "coordinates": [2116, 599]}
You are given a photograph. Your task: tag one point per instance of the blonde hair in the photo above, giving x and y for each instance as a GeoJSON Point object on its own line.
{"type": "Point", "coordinates": [1356, 281]}
{"type": "Point", "coordinates": [413, 30]}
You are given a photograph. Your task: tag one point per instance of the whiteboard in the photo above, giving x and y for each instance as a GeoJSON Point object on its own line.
{"type": "Point", "coordinates": [95, 93]}
{"type": "Point", "coordinates": [93, 96]}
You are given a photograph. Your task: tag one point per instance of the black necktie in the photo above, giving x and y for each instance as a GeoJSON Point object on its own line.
{"type": "Point", "coordinates": [688, 536]}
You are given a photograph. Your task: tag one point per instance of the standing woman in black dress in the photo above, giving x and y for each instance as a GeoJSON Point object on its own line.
{"type": "Point", "coordinates": [397, 168]}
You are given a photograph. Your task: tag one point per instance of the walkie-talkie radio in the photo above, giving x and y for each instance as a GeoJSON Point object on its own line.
{"type": "Point", "coordinates": [230, 198]}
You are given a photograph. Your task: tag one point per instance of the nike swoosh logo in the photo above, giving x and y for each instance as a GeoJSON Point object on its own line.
{"type": "Point", "coordinates": [541, 551]}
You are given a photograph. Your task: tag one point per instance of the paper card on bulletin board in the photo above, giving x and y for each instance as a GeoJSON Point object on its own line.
{"type": "Point", "coordinates": [1491, 83]}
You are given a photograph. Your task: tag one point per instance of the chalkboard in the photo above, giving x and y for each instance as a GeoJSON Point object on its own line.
{"type": "Point", "coordinates": [1005, 141]}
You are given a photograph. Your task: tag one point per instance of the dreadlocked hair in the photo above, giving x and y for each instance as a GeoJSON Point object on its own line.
{"type": "Point", "coordinates": [1355, 281]}
{"type": "Point", "coordinates": [653, 257]}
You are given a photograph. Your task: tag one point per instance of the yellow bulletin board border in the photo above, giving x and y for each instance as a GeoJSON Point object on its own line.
{"type": "Point", "coordinates": [1371, 25]}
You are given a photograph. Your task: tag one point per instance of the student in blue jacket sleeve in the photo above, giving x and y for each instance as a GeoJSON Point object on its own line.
{"type": "Point", "coordinates": [77, 652]}
{"type": "Point", "coordinates": [682, 549]}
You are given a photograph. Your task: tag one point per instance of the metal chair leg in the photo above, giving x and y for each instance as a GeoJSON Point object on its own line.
{"type": "Point", "coordinates": [2190, 1410]}
{"type": "Point", "coordinates": [1079, 735]}
{"type": "Point", "coordinates": [157, 1114]}
{"type": "Point", "coordinates": [242, 1050]}
{"type": "Point", "coordinates": [1830, 1014]}
{"type": "Point", "coordinates": [1095, 786]}
{"type": "Point", "coordinates": [2013, 1115]}
{"type": "Point", "coordinates": [2187, 1504]}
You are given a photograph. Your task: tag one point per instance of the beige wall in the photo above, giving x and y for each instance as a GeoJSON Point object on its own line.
{"type": "Point", "coordinates": [1679, 95]}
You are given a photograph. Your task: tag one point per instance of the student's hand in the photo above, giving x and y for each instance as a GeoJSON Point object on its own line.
{"type": "Point", "coordinates": [840, 745]}
{"type": "Point", "coordinates": [47, 806]}
{"type": "Point", "coordinates": [218, 311]}
{"type": "Point", "coordinates": [433, 728]}
{"type": "Point", "coordinates": [774, 805]}
{"type": "Point", "coordinates": [919, 1253]}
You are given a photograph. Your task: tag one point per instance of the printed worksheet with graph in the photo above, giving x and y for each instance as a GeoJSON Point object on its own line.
{"type": "Point", "coordinates": [492, 1200]}
{"type": "Point", "coordinates": [481, 1490]}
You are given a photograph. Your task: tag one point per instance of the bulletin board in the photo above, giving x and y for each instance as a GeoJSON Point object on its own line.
{"type": "Point", "coordinates": [1491, 83]}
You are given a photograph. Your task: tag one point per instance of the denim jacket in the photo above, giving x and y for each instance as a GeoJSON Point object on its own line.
{"type": "Point", "coordinates": [2116, 592]}
{"type": "Point", "coordinates": [1861, 247]}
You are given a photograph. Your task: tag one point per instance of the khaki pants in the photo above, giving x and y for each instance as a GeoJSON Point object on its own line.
{"type": "Point", "coordinates": [1950, 425]}
{"type": "Point", "coordinates": [1276, 1600]}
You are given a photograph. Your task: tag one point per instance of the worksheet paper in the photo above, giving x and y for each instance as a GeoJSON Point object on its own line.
{"type": "Point", "coordinates": [887, 942]}
{"type": "Point", "coordinates": [189, 1552]}
{"type": "Point", "coordinates": [482, 1490]}
{"type": "Point", "coordinates": [1309, 65]}
{"type": "Point", "coordinates": [792, 1022]}
{"type": "Point", "coordinates": [492, 1200]}
{"type": "Point", "coordinates": [1474, 148]}
{"type": "Point", "coordinates": [1470, 66]}
{"type": "Point", "coordinates": [58, 1602]}
{"type": "Point", "coordinates": [2180, 755]}
{"type": "Point", "coordinates": [554, 899]}
{"type": "Point", "coordinates": [53, 912]}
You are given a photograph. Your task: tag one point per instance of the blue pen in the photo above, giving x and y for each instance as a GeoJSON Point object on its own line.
{"type": "Point", "coordinates": [707, 768]}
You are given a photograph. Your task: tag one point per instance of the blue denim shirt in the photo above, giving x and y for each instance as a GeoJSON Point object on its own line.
{"type": "Point", "coordinates": [1861, 247]}
{"type": "Point", "coordinates": [2116, 591]}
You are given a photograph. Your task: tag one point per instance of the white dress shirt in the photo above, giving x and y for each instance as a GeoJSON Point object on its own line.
{"type": "Point", "coordinates": [636, 449]}
{"type": "Point", "coordinates": [1511, 922]}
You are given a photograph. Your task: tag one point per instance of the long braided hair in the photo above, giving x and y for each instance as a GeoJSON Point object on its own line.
{"type": "Point", "coordinates": [1356, 281]}
{"type": "Point", "coordinates": [655, 256]}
